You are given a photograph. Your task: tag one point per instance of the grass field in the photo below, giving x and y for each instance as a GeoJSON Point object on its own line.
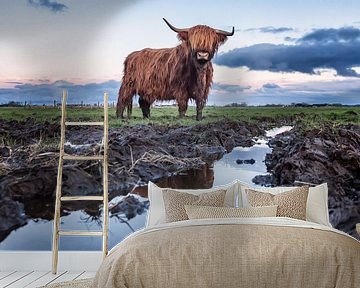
{"type": "Point", "coordinates": [309, 117]}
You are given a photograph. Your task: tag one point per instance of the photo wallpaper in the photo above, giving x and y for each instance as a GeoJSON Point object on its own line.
{"type": "Point", "coordinates": [201, 93]}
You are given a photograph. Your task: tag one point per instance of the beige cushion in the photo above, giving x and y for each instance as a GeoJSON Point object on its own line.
{"type": "Point", "coordinates": [290, 204]}
{"type": "Point", "coordinates": [156, 213]}
{"type": "Point", "coordinates": [175, 201]}
{"type": "Point", "coordinates": [200, 212]}
{"type": "Point", "coordinates": [317, 203]}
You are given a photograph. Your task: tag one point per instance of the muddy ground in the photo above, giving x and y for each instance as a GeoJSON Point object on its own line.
{"type": "Point", "coordinates": [329, 155]}
{"type": "Point", "coordinates": [137, 154]}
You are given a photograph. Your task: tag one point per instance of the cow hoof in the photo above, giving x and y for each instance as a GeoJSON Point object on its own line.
{"type": "Point", "coordinates": [118, 115]}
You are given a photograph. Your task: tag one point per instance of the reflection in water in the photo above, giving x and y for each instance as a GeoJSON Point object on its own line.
{"type": "Point", "coordinates": [227, 169]}
{"type": "Point", "coordinates": [128, 213]}
{"type": "Point", "coordinates": [193, 179]}
{"type": "Point", "coordinates": [125, 208]}
{"type": "Point", "coordinates": [202, 178]}
{"type": "Point", "coordinates": [127, 217]}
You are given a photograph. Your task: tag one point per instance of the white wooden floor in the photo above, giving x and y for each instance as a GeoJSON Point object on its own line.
{"type": "Point", "coordinates": [32, 279]}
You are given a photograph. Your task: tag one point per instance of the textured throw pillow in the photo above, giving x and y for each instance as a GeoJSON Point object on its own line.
{"type": "Point", "coordinates": [175, 201]}
{"type": "Point", "coordinates": [317, 203]}
{"type": "Point", "coordinates": [201, 212]}
{"type": "Point", "coordinates": [156, 213]}
{"type": "Point", "coordinates": [290, 204]}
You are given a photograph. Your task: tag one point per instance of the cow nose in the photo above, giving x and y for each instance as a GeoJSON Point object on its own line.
{"type": "Point", "coordinates": [201, 55]}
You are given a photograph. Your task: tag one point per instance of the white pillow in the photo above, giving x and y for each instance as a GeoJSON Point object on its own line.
{"type": "Point", "coordinates": [316, 206]}
{"type": "Point", "coordinates": [156, 213]}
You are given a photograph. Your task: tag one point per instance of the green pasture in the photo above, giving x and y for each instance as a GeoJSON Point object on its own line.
{"type": "Point", "coordinates": [308, 117]}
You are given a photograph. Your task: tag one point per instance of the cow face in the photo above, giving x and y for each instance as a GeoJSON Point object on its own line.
{"type": "Point", "coordinates": [202, 41]}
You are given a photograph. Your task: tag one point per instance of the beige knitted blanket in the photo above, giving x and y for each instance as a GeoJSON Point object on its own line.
{"type": "Point", "coordinates": [259, 252]}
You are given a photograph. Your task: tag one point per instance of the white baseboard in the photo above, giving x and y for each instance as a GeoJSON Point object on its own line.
{"type": "Point", "coordinates": [41, 260]}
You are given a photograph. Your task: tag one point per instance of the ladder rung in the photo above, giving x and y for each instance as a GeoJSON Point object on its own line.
{"type": "Point", "coordinates": [84, 123]}
{"type": "Point", "coordinates": [82, 198]}
{"type": "Point", "coordinates": [80, 233]}
{"type": "Point", "coordinates": [74, 157]}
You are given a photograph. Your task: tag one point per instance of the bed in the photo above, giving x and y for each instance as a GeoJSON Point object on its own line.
{"type": "Point", "coordinates": [234, 251]}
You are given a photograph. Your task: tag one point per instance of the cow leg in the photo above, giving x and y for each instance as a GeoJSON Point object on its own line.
{"type": "Point", "coordinates": [129, 110]}
{"type": "Point", "coordinates": [199, 107]}
{"type": "Point", "coordinates": [124, 101]}
{"type": "Point", "coordinates": [183, 105]}
{"type": "Point", "coordinates": [120, 109]}
{"type": "Point", "coordinates": [145, 107]}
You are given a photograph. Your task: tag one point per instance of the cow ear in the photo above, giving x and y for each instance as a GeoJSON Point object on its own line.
{"type": "Point", "coordinates": [183, 36]}
{"type": "Point", "coordinates": [221, 38]}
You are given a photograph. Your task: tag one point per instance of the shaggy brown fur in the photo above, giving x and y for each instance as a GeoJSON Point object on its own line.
{"type": "Point", "coordinates": [178, 73]}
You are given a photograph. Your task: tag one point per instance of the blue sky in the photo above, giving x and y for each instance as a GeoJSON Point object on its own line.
{"type": "Point", "coordinates": [282, 51]}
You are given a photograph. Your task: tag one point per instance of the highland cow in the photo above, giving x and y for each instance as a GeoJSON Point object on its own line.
{"type": "Point", "coordinates": [180, 73]}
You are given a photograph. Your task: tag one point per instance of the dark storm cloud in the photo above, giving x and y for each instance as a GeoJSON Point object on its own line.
{"type": "Point", "coordinates": [51, 5]}
{"type": "Point", "coordinates": [270, 86]}
{"type": "Point", "coordinates": [326, 36]}
{"type": "Point", "coordinates": [228, 88]}
{"type": "Point", "coordinates": [324, 48]}
{"type": "Point", "coordinates": [271, 29]}
{"type": "Point", "coordinates": [45, 93]}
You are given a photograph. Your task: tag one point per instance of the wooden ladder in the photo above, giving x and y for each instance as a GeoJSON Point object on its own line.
{"type": "Point", "coordinates": [56, 229]}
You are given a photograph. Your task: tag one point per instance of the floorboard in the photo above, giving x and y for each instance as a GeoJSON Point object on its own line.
{"type": "Point", "coordinates": [5, 274]}
{"type": "Point", "coordinates": [87, 275]}
{"type": "Point", "coordinates": [28, 279]}
{"type": "Point", "coordinates": [68, 276]}
{"type": "Point", "coordinates": [34, 279]}
{"type": "Point", "coordinates": [12, 278]}
{"type": "Point", "coordinates": [44, 280]}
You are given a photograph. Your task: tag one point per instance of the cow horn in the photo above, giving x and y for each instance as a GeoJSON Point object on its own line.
{"type": "Point", "coordinates": [177, 30]}
{"type": "Point", "coordinates": [225, 33]}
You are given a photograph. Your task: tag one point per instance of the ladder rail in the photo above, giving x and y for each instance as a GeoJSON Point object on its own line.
{"type": "Point", "coordinates": [55, 244]}
{"type": "Point", "coordinates": [105, 179]}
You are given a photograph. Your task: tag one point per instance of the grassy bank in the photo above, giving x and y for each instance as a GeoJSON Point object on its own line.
{"type": "Point", "coordinates": [310, 117]}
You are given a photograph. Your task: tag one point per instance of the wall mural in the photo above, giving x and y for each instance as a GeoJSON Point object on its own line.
{"type": "Point", "coordinates": [245, 91]}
